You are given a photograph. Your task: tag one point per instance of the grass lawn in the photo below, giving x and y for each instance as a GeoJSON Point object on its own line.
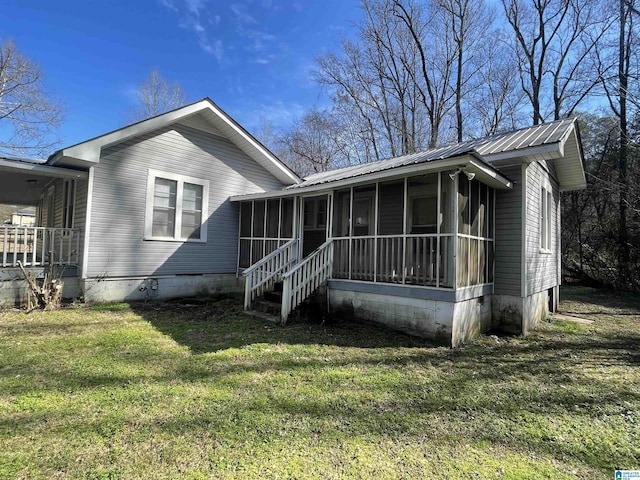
{"type": "Point", "coordinates": [201, 391]}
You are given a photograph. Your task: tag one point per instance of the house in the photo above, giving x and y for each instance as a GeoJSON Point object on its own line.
{"type": "Point", "coordinates": [444, 243]}
{"type": "Point", "coordinates": [24, 218]}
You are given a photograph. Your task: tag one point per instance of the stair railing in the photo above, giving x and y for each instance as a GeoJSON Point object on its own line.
{"type": "Point", "coordinates": [303, 279]}
{"type": "Point", "coordinates": [265, 272]}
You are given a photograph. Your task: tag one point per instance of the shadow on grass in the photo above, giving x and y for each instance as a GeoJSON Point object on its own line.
{"type": "Point", "coordinates": [220, 324]}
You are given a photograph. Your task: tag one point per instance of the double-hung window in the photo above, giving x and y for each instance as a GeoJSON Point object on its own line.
{"type": "Point", "coordinates": [176, 207]}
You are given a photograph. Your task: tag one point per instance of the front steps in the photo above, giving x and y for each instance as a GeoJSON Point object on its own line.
{"type": "Point", "coordinates": [269, 307]}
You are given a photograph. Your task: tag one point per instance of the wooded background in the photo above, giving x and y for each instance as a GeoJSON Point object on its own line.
{"type": "Point", "coordinates": [420, 74]}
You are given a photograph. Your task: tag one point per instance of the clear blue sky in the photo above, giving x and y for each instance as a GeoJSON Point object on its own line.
{"type": "Point", "coordinates": [250, 57]}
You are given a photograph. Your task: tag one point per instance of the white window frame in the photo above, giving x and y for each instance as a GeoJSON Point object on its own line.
{"type": "Point", "coordinates": [546, 202]}
{"type": "Point", "coordinates": [181, 180]}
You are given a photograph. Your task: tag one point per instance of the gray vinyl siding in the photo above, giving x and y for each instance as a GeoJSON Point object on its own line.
{"type": "Point", "coordinates": [508, 237]}
{"type": "Point", "coordinates": [542, 267]}
{"type": "Point", "coordinates": [117, 247]}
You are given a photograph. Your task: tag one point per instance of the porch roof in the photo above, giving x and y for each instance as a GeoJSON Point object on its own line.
{"type": "Point", "coordinates": [557, 141]}
{"type": "Point", "coordinates": [383, 171]}
{"type": "Point", "coordinates": [23, 179]}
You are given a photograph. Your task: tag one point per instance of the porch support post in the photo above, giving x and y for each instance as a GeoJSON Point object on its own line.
{"type": "Point", "coordinates": [301, 225]}
{"type": "Point", "coordinates": [455, 232]}
{"type": "Point", "coordinates": [375, 235]}
{"type": "Point", "coordinates": [253, 215]}
{"type": "Point", "coordinates": [279, 234]}
{"type": "Point", "coordinates": [350, 230]}
{"type": "Point", "coordinates": [404, 230]}
{"type": "Point", "coordinates": [239, 240]}
{"type": "Point", "coordinates": [438, 229]}
{"type": "Point", "coordinates": [264, 230]}
{"type": "Point", "coordinates": [329, 233]}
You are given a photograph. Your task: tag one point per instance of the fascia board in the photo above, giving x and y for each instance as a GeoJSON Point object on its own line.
{"type": "Point", "coordinates": [43, 170]}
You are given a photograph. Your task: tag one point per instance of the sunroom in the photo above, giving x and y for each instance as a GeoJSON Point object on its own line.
{"type": "Point", "coordinates": [418, 237]}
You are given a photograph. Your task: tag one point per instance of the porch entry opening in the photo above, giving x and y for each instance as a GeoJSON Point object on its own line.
{"type": "Point", "coordinates": [314, 223]}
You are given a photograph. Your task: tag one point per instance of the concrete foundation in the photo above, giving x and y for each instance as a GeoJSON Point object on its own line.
{"type": "Point", "coordinates": [447, 322]}
{"type": "Point", "coordinates": [128, 289]}
{"type": "Point", "coordinates": [521, 314]}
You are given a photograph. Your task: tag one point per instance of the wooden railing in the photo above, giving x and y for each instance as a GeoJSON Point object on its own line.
{"type": "Point", "coordinates": [35, 246]}
{"type": "Point", "coordinates": [263, 274]}
{"type": "Point", "coordinates": [303, 279]}
{"type": "Point", "coordinates": [252, 249]}
{"type": "Point", "coordinates": [419, 259]}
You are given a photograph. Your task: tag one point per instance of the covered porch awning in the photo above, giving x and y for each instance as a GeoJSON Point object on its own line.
{"type": "Point", "coordinates": [426, 162]}
{"type": "Point", "coordinates": [23, 180]}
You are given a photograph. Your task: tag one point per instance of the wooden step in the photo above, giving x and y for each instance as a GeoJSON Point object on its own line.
{"type": "Point", "coordinates": [266, 306]}
{"type": "Point", "coordinates": [275, 297]}
{"type": "Point", "coordinates": [262, 316]}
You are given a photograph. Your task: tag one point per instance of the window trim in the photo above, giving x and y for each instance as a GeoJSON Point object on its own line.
{"type": "Point", "coordinates": [181, 180]}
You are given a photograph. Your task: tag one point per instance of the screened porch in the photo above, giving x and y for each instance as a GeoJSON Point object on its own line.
{"type": "Point", "coordinates": [433, 230]}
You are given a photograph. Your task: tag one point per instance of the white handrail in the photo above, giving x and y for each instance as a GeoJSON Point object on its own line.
{"type": "Point", "coordinates": [36, 246]}
{"type": "Point", "coordinates": [303, 279]}
{"type": "Point", "coordinates": [265, 272]}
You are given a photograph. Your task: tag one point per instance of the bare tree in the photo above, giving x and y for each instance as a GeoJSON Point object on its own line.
{"type": "Point", "coordinates": [29, 112]}
{"type": "Point", "coordinates": [617, 89]}
{"type": "Point", "coordinates": [437, 55]}
{"type": "Point", "coordinates": [156, 96]}
{"type": "Point", "coordinates": [468, 22]}
{"type": "Point", "coordinates": [313, 144]}
{"type": "Point", "coordinates": [556, 39]}
{"type": "Point", "coordinates": [496, 102]}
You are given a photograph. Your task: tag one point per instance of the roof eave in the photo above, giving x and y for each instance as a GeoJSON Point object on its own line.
{"type": "Point", "coordinates": [473, 163]}
{"type": "Point", "coordinates": [88, 153]}
{"type": "Point", "coordinates": [41, 169]}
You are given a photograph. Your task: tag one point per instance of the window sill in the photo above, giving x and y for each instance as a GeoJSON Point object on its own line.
{"type": "Point", "coordinates": [544, 251]}
{"type": "Point", "coordinates": [175, 240]}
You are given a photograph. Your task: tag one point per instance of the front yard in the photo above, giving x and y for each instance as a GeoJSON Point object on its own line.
{"type": "Point", "coordinates": [201, 391]}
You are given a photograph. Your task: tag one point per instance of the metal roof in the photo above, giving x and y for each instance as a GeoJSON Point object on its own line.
{"type": "Point", "coordinates": [514, 141]}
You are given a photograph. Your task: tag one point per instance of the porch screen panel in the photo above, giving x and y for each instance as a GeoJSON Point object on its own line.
{"type": "Point", "coordinates": [447, 200]}
{"type": "Point", "coordinates": [464, 227]}
{"type": "Point", "coordinates": [273, 213]}
{"type": "Point", "coordinates": [258, 219]}
{"type": "Point", "coordinates": [286, 225]}
{"type": "Point", "coordinates": [341, 213]}
{"type": "Point", "coordinates": [245, 235]}
{"type": "Point", "coordinates": [164, 207]}
{"type": "Point", "coordinates": [363, 243]}
{"type": "Point", "coordinates": [463, 205]}
{"type": "Point", "coordinates": [475, 227]}
{"type": "Point", "coordinates": [191, 210]}
{"type": "Point", "coordinates": [245, 219]}
{"type": "Point", "coordinates": [390, 241]}
{"type": "Point", "coordinates": [341, 226]}
{"type": "Point", "coordinates": [390, 208]}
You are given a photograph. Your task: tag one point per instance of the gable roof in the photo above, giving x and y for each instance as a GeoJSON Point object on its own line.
{"type": "Point", "coordinates": [557, 141]}
{"type": "Point", "coordinates": [87, 153]}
